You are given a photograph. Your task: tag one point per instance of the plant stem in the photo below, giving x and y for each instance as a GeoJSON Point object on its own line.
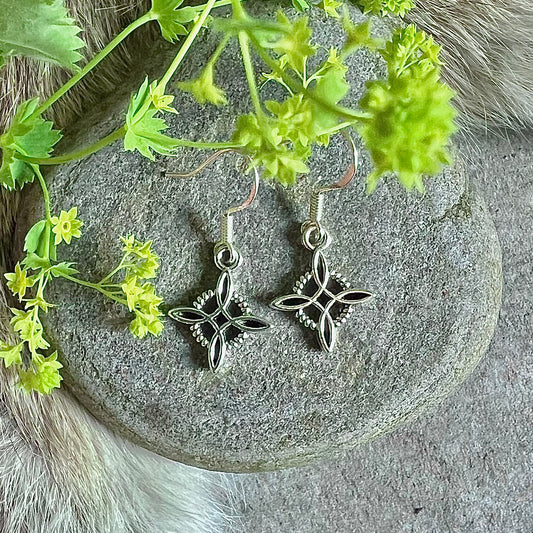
{"type": "Point", "coordinates": [219, 3]}
{"type": "Point", "coordinates": [186, 45]}
{"type": "Point", "coordinates": [79, 154]}
{"type": "Point", "coordinates": [250, 74]}
{"type": "Point", "coordinates": [46, 193]}
{"type": "Point", "coordinates": [238, 10]}
{"type": "Point", "coordinates": [296, 86]}
{"type": "Point", "coordinates": [85, 152]}
{"type": "Point", "coordinates": [120, 266]}
{"type": "Point", "coordinates": [96, 287]}
{"type": "Point", "coordinates": [94, 61]}
{"type": "Point", "coordinates": [339, 127]}
{"type": "Point", "coordinates": [220, 48]}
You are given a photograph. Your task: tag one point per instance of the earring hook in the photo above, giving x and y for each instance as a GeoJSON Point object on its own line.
{"type": "Point", "coordinates": [317, 200]}
{"type": "Point", "coordinates": [226, 254]}
{"type": "Point", "coordinates": [350, 173]}
{"type": "Point", "coordinates": [313, 234]}
{"type": "Point", "coordinates": [210, 160]}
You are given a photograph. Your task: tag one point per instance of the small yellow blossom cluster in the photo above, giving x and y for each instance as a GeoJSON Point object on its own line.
{"type": "Point", "coordinates": [142, 264]}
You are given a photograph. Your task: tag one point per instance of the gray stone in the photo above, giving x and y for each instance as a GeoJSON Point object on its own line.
{"type": "Point", "coordinates": [466, 468]}
{"type": "Point", "coordinates": [433, 262]}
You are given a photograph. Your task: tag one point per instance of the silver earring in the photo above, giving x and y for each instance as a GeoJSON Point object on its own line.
{"type": "Point", "coordinates": [220, 319]}
{"type": "Point", "coordinates": [322, 298]}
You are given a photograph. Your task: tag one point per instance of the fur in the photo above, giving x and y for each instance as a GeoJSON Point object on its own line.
{"type": "Point", "coordinates": [61, 471]}
{"type": "Point", "coordinates": [487, 48]}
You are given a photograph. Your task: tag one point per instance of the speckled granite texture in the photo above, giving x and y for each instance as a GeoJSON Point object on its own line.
{"type": "Point", "coordinates": [466, 467]}
{"type": "Point", "coordinates": [433, 262]}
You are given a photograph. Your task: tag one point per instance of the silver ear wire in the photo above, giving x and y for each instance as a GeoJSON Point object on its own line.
{"type": "Point", "coordinates": [220, 319]}
{"type": "Point", "coordinates": [313, 233]}
{"type": "Point", "coordinates": [322, 298]}
{"type": "Point", "coordinates": [227, 257]}
{"type": "Point", "coordinates": [210, 160]}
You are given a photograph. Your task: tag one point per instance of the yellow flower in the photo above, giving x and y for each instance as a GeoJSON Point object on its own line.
{"type": "Point", "coordinates": [66, 226]}
{"type": "Point", "coordinates": [18, 282]}
{"type": "Point", "coordinates": [132, 290]}
{"type": "Point", "coordinates": [146, 262]}
{"type": "Point", "coordinates": [143, 325]}
{"type": "Point", "coordinates": [161, 101]}
{"type": "Point", "coordinates": [204, 89]}
{"type": "Point", "coordinates": [43, 376]}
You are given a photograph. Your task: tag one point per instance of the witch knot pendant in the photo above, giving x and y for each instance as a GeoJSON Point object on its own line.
{"type": "Point", "coordinates": [322, 300]}
{"type": "Point", "coordinates": [219, 320]}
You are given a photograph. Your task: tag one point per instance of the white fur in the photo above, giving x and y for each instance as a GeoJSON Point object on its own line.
{"type": "Point", "coordinates": [61, 471]}
{"type": "Point", "coordinates": [487, 47]}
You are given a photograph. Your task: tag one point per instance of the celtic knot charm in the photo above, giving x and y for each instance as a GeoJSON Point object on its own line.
{"type": "Point", "coordinates": [219, 320]}
{"type": "Point", "coordinates": [322, 300]}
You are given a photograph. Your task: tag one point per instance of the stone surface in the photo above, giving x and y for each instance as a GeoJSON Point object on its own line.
{"type": "Point", "coordinates": [466, 468]}
{"type": "Point", "coordinates": [433, 262]}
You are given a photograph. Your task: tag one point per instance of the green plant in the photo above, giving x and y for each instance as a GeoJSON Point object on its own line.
{"type": "Point", "coordinates": [405, 121]}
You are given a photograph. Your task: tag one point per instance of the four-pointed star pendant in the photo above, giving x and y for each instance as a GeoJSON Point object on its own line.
{"type": "Point", "coordinates": [322, 300]}
{"type": "Point", "coordinates": [219, 320]}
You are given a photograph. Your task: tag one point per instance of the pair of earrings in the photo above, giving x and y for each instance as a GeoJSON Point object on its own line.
{"type": "Point", "coordinates": [220, 319]}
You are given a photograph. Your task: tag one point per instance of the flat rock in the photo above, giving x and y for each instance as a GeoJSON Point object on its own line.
{"type": "Point", "coordinates": [432, 261]}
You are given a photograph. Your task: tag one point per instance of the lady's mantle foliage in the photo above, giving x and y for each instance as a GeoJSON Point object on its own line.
{"type": "Point", "coordinates": [29, 136]}
{"type": "Point", "coordinates": [41, 30]}
{"type": "Point", "coordinates": [143, 128]}
{"type": "Point", "coordinates": [405, 122]}
{"type": "Point", "coordinates": [386, 7]}
{"type": "Point", "coordinates": [411, 118]}
{"type": "Point", "coordinates": [172, 17]}
{"type": "Point", "coordinates": [126, 284]}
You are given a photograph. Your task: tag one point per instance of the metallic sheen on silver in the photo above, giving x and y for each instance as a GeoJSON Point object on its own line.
{"type": "Point", "coordinates": [220, 319]}
{"type": "Point", "coordinates": [322, 299]}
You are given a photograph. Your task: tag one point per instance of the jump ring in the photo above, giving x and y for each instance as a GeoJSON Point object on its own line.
{"type": "Point", "coordinates": [314, 236]}
{"type": "Point", "coordinates": [227, 257]}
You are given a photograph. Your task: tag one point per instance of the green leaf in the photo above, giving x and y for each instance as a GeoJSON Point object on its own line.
{"type": "Point", "coordinates": [301, 5]}
{"type": "Point", "coordinates": [63, 269]}
{"type": "Point", "coordinates": [171, 18]}
{"type": "Point", "coordinates": [29, 135]}
{"type": "Point", "coordinates": [11, 354]}
{"type": "Point", "coordinates": [331, 86]}
{"type": "Point", "coordinates": [330, 7]}
{"type": "Point", "coordinates": [35, 262]}
{"type": "Point", "coordinates": [33, 237]}
{"type": "Point", "coordinates": [144, 129]}
{"type": "Point", "coordinates": [40, 29]}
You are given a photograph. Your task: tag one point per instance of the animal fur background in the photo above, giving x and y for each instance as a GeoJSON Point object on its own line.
{"type": "Point", "coordinates": [61, 471]}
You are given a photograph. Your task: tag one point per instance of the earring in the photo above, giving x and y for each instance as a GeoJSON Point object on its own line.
{"type": "Point", "coordinates": [220, 319]}
{"type": "Point", "coordinates": [322, 299]}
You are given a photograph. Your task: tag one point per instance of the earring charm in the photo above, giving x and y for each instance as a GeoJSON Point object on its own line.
{"type": "Point", "coordinates": [221, 319]}
{"type": "Point", "coordinates": [322, 299]}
